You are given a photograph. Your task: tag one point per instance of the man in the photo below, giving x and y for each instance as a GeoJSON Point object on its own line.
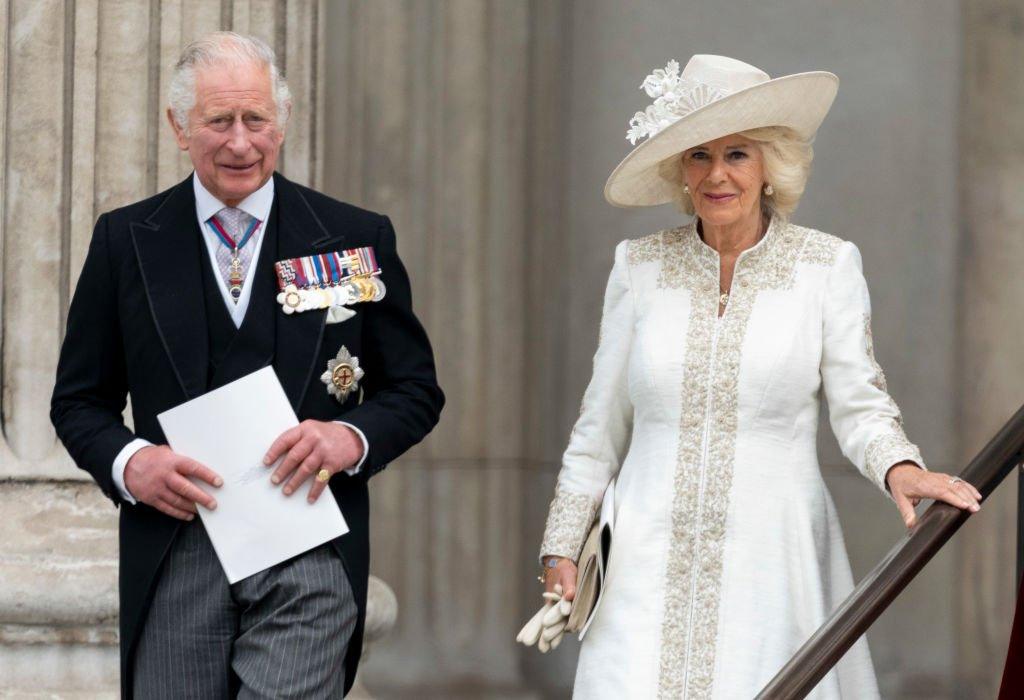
{"type": "Point", "coordinates": [179, 295]}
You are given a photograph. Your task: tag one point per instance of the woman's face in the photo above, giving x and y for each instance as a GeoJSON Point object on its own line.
{"type": "Point", "coordinates": [725, 178]}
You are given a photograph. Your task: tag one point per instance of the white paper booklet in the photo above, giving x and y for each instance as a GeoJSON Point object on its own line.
{"type": "Point", "coordinates": [230, 429]}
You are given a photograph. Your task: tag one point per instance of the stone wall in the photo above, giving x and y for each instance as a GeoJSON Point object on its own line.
{"type": "Point", "coordinates": [991, 317]}
{"type": "Point", "coordinates": [446, 116]}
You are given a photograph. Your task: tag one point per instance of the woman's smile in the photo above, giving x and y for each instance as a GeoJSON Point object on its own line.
{"type": "Point", "coordinates": [718, 197]}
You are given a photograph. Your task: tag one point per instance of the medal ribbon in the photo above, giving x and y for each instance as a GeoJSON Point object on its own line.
{"type": "Point", "coordinates": [326, 269]}
{"type": "Point", "coordinates": [226, 238]}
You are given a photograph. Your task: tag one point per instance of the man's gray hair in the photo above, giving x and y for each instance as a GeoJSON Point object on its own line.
{"type": "Point", "coordinates": [221, 48]}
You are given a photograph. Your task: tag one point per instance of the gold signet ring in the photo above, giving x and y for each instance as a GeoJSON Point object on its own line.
{"type": "Point", "coordinates": [323, 476]}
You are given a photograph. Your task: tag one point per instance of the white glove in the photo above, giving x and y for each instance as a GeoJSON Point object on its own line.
{"type": "Point", "coordinates": [533, 629]}
{"type": "Point", "coordinates": [547, 627]}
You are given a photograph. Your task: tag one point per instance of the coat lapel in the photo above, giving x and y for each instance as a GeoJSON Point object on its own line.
{"type": "Point", "coordinates": [168, 247]}
{"type": "Point", "coordinates": [299, 233]}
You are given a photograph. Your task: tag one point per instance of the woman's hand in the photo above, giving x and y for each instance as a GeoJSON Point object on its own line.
{"type": "Point", "coordinates": [563, 573]}
{"type": "Point", "coordinates": [908, 484]}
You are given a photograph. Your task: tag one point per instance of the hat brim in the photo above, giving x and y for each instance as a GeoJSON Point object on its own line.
{"type": "Point", "coordinates": [799, 101]}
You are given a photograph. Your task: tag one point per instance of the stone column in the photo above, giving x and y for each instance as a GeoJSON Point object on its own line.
{"type": "Point", "coordinates": [446, 117]}
{"type": "Point", "coordinates": [992, 323]}
{"type": "Point", "coordinates": [82, 92]}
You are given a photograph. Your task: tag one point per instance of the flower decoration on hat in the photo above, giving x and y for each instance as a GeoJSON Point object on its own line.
{"type": "Point", "coordinates": [674, 98]}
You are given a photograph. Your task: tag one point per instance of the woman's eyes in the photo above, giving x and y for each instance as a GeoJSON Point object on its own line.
{"type": "Point", "coordinates": [731, 155]}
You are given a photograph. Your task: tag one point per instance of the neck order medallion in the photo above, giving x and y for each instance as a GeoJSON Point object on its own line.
{"type": "Point", "coordinates": [235, 273]}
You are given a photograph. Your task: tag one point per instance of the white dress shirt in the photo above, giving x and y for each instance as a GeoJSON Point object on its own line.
{"type": "Point", "coordinates": [257, 205]}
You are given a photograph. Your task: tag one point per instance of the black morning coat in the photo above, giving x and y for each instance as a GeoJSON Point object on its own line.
{"type": "Point", "coordinates": [137, 325]}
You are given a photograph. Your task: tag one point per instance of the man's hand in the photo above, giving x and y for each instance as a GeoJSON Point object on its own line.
{"type": "Point", "coordinates": [310, 446]}
{"type": "Point", "coordinates": [158, 476]}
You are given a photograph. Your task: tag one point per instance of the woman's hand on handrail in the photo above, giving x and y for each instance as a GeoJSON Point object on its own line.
{"type": "Point", "coordinates": [908, 484]}
{"type": "Point", "coordinates": [564, 573]}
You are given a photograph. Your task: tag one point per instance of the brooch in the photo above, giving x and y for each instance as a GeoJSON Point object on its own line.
{"type": "Point", "coordinates": [342, 375]}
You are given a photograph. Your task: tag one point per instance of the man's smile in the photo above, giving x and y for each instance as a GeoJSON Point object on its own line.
{"type": "Point", "coordinates": [239, 168]}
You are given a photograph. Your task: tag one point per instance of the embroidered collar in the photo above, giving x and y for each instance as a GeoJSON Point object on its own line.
{"type": "Point", "coordinates": [708, 259]}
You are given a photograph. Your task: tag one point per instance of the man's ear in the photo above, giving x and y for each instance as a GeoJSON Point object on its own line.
{"type": "Point", "coordinates": [283, 127]}
{"type": "Point", "coordinates": [179, 132]}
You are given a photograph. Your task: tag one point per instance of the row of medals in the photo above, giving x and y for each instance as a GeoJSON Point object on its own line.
{"type": "Point", "coordinates": [351, 291]}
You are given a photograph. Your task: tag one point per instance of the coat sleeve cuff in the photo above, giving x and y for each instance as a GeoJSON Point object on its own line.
{"type": "Point", "coordinates": [887, 450]}
{"type": "Point", "coordinates": [121, 461]}
{"type": "Point", "coordinates": [358, 467]}
{"type": "Point", "coordinates": [569, 521]}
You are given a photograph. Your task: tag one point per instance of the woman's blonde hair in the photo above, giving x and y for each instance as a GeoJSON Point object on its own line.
{"type": "Point", "coordinates": [787, 164]}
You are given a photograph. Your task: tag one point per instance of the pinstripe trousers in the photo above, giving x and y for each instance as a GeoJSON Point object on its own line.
{"type": "Point", "coordinates": [281, 633]}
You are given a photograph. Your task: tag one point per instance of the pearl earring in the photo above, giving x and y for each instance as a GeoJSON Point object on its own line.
{"type": "Point", "coordinates": [769, 190]}
{"type": "Point", "coordinates": [686, 189]}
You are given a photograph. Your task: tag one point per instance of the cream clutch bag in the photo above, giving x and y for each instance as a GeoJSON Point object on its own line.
{"type": "Point", "coordinates": [592, 566]}
{"type": "Point", "coordinates": [588, 582]}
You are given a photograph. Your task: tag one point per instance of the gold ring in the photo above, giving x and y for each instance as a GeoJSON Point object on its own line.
{"type": "Point", "coordinates": [323, 476]}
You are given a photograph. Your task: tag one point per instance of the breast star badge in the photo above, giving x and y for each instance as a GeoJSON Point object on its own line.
{"type": "Point", "coordinates": [342, 375]}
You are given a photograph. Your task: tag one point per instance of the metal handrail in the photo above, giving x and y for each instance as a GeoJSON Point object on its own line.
{"type": "Point", "coordinates": [880, 587]}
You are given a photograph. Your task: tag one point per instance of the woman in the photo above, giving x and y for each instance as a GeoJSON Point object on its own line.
{"type": "Point", "coordinates": [716, 340]}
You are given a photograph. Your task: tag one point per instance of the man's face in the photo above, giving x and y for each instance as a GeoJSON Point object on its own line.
{"type": "Point", "coordinates": [233, 135]}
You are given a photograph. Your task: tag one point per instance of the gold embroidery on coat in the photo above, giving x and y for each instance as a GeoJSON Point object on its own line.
{"type": "Point", "coordinates": [891, 447]}
{"type": "Point", "coordinates": [644, 250]}
{"type": "Point", "coordinates": [710, 394]}
{"type": "Point", "coordinates": [569, 520]}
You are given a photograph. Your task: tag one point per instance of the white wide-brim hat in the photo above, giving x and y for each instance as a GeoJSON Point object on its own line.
{"type": "Point", "coordinates": [713, 97]}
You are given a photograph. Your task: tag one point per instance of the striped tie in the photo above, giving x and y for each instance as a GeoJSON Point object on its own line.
{"type": "Point", "coordinates": [235, 222]}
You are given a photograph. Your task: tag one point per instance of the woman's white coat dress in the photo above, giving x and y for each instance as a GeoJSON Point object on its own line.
{"type": "Point", "coordinates": [727, 551]}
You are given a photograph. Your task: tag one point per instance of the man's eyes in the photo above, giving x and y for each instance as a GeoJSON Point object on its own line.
{"type": "Point", "coordinates": [249, 119]}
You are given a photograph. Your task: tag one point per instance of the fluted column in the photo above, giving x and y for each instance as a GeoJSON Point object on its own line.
{"type": "Point", "coordinates": [445, 116]}
{"type": "Point", "coordinates": [992, 324]}
{"type": "Point", "coordinates": [83, 88]}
